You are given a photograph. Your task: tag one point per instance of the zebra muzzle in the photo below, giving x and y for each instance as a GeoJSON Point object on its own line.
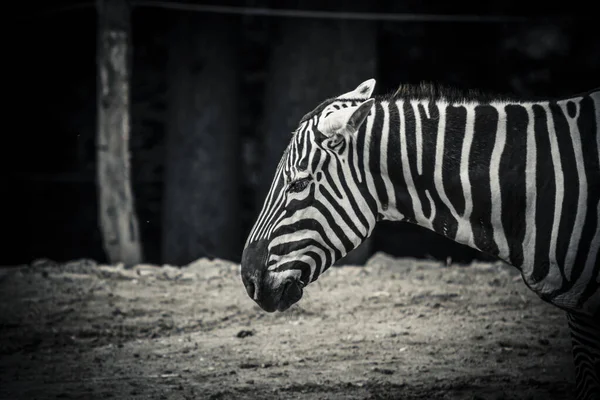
{"type": "Point", "coordinates": [291, 294]}
{"type": "Point", "coordinates": [270, 291]}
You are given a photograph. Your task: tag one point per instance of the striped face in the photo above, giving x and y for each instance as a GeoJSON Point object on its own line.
{"type": "Point", "coordinates": [315, 211]}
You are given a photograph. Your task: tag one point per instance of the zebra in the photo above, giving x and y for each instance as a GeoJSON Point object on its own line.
{"type": "Point", "coordinates": [515, 178]}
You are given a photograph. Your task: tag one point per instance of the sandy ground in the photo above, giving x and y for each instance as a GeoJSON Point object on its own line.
{"type": "Point", "coordinates": [394, 329]}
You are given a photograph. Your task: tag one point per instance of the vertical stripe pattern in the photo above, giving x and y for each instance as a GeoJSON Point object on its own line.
{"type": "Point", "coordinates": [455, 168]}
{"type": "Point", "coordinates": [519, 180]}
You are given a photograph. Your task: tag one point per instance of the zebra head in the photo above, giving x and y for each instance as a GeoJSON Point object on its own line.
{"type": "Point", "coordinates": [318, 207]}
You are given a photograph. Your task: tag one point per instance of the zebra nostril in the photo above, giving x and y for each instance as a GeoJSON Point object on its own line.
{"type": "Point", "coordinates": [253, 267]}
{"type": "Point", "coordinates": [250, 288]}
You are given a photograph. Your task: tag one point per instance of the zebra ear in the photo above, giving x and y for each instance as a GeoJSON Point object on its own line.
{"type": "Point", "coordinates": [359, 115]}
{"type": "Point", "coordinates": [363, 91]}
{"type": "Point", "coordinates": [345, 120]}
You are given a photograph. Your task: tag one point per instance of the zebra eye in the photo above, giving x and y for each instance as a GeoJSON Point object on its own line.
{"type": "Point", "coordinates": [299, 185]}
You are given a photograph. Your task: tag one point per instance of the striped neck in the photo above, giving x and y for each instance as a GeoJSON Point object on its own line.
{"type": "Point", "coordinates": [467, 170]}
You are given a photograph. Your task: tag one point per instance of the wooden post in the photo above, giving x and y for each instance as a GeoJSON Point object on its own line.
{"type": "Point", "coordinates": [117, 216]}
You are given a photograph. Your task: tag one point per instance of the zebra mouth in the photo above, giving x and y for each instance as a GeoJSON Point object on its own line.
{"type": "Point", "coordinates": [291, 293]}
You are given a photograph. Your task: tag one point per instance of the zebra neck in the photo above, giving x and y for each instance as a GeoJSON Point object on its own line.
{"type": "Point", "coordinates": [516, 180]}
{"type": "Point", "coordinates": [462, 170]}
{"type": "Point", "coordinates": [420, 165]}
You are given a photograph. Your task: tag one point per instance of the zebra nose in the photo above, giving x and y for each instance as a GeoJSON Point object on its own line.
{"type": "Point", "coordinates": [250, 284]}
{"type": "Point", "coordinates": [254, 266]}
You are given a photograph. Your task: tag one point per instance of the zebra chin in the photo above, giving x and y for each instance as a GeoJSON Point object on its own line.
{"type": "Point", "coordinates": [271, 290]}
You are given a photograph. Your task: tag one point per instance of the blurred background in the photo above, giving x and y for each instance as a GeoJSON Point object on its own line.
{"type": "Point", "coordinates": [215, 90]}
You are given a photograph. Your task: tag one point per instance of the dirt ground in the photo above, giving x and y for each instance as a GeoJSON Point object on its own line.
{"type": "Point", "coordinates": [394, 329]}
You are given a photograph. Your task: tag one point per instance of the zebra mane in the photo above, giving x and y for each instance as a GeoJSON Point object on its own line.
{"type": "Point", "coordinates": [424, 91]}
{"type": "Point", "coordinates": [437, 92]}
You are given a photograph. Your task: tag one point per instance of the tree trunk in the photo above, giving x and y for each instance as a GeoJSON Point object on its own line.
{"type": "Point", "coordinates": [118, 221]}
{"type": "Point", "coordinates": [312, 60]}
{"type": "Point", "coordinates": [201, 215]}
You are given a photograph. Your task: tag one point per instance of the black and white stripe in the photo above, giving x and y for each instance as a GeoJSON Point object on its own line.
{"type": "Point", "coordinates": [516, 179]}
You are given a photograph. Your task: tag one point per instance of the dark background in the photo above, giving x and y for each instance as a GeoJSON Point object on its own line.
{"type": "Point", "coordinates": [49, 195]}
